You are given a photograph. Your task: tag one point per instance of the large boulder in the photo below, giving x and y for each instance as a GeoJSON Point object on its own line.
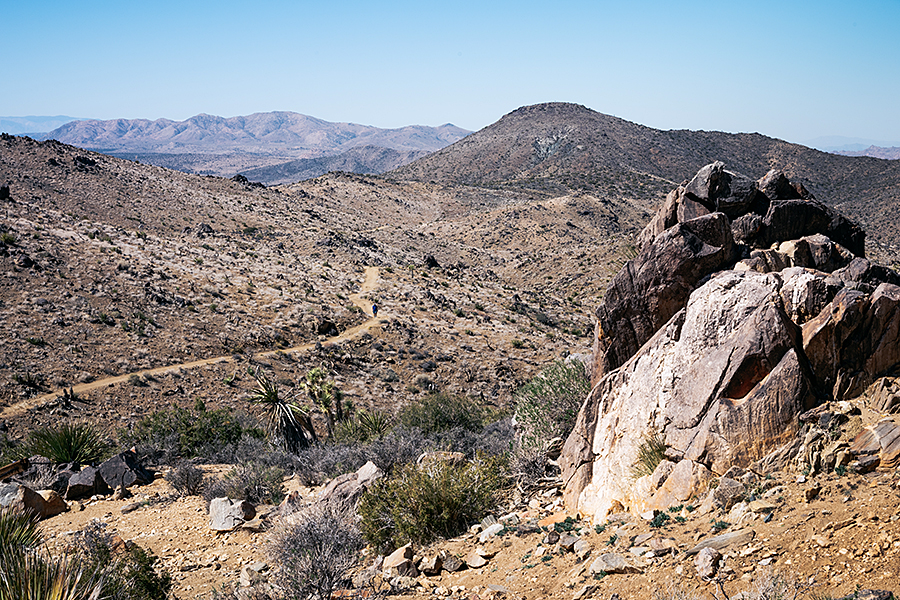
{"type": "Point", "coordinates": [85, 483]}
{"type": "Point", "coordinates": [226, 514]}
{"type": "Point", "coordinates": [721, 384]}
{"type": "Point", "coordinates": [20, 498]}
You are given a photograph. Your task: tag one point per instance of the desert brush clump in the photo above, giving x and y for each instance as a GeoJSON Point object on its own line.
{"type": "Point", "coordinates": [180, 433]}
{"type": "Point", "coordinates": [187, 479]}
{"type": "Point", "coordinates": [79, 443]}
{"type": "Point", "coordinates": [651, 452]}
{"type": "Point", "coordinates": [421, 503]}
{"type": "Point", "coordinates": [314, 551]}
{"type": "Point", "coordinates": [440, 411]}
{"type": "Point", "coordinates": [546, 406]}
{"type": "Point", "coordinates": [253, 482]}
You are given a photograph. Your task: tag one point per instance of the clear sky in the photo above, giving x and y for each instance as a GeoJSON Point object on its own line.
{"type": "Point", "coordinates": [794, 70]}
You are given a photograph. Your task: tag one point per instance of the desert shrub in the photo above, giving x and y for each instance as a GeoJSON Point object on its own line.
{"type": "Point", "coordinates": [527, 466]}
{"type": "Point", "coordinates": [651, 452]}
{"type": "Point", "coordinates": [33, 574]}
{"type": "Point", "coordinates": [252, 482]}
{"type": "Point", "coordinates": [186, 478]}
{"type": "Point", "coordinates": [288, 424]}
{"type": "Point", "coordinates": [252, 448]}
{"type": "Point", "coordinates": [314, 552]}
{"type": "Point", "coordinates": [362, 427]}
{"type": "Point", "coordinates": [422, 503]}
{"type": "Point", "coordinates": [80, 443]}
{"type": "Point", "coordinates": [174, 433]}
{"type": "Point", "coordinates": [132, 573]}
{"type": "Point", "coordinates": [546, 406]}
{"type": "Point", "coordinates": [441, 411]}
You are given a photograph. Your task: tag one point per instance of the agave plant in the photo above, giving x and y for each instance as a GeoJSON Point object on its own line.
{"type": "Point", "coordinates": [288, 424]}
{"type": "Point", "coordinates": [29, 575]}
{"type": "Point", "coordinates": [80, 443]}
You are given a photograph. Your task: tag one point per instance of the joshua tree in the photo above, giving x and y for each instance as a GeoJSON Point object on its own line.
{"type": "Point", "coordinates": [324, 395]}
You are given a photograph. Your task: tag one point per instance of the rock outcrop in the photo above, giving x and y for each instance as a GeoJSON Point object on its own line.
{"type": "Point", "coordinates": [748, 304]}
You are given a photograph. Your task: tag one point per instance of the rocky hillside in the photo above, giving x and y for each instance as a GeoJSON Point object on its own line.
{"type": "Point", "coordinates": [557, 148]}
{"type": "Point", "coordinates": [363, 159]}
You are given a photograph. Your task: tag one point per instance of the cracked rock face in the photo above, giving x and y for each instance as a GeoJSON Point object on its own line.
{"type": "Point", "coordinates": [712, 350]}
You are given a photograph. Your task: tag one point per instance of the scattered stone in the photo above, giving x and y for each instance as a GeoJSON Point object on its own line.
{"type": "Point", "coordinates": [490, 532]}
{"type": "Point", "coordinates": [475, 561]}
{"type": "Point", "coordinates": [53, 503]}
{"type": "Point", "coordinates": [567, 542]}
{"type": "Point", "coordinates": [452, 563]}
{"type": "Point", "coordinates": [431, 565]}
{"type": "Point", "coordinates": [552, 537]}
{"type": "Point", "coordinates": [729, 493]}
{"type": "Point", "coordinates": [253, 574]}
{"type": "Point", "coordinates": [612, 563]}
{"type": "Point", "coordinates": [582, 549]}
{"type": "Point", "coordinates": [585, 592]}
{"type": "Point", "coordinates": [811, 493]}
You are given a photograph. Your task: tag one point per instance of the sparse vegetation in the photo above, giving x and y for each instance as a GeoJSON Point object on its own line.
{"type": "Point", "coordinates": [252, 481]}
{"type": "Point", "coordinates": [651, 452]}
{"type": "Point", "coordinates": [315, 551]}
{"type": "Point", "coordinates": [441, 411]}
{"type": "Point", "coordinates": [186, 478]}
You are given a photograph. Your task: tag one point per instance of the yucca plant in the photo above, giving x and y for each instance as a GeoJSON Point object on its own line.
{"type": "Point", "coordinates": [30, 576]}
{"type": "Point", "coordinates": [363, 427]}
{"type": "Point", "coordinates": [19, 530]}
{"type": "Point", "coordinates": [80, 443]}
{"type": "Point", "coordinates": [288, 424]}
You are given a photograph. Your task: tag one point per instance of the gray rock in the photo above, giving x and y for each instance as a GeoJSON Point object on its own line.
{"type": "Point", "coordinates": [612, 563]}
{"type": "Point", "coordinates": [431, 565]}
{"type": "Point", "coordinates": [124, 469]}
{"type": "Point", "coordinates": [20, 498]}
{"type": "Point", "coordinates": [567, 542]}
{"type": "Point", "coordinates": [582, 548]}
{"type": "Point", "coordinates": [729, 493]}
{"type": "Point", "coordinates": [85, 483]}
{"type": "Point", "coordinates": [452, 563]}
{"type": "Point", "coordinates": [226, 514]}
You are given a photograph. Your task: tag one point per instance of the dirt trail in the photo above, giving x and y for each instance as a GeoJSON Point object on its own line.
{"type": "Point", "coordinates": [369, 284]}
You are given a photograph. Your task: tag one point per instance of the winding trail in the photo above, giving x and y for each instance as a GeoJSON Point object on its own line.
{"type": "Point", "coordinates": [369, 284]}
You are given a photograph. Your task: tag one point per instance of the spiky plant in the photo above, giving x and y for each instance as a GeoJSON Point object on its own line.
{"type": "Point", "coordinates": [80, 443]}
{"type": "Point", "coordinates": [324, 395]}
{"type": "Point", "coordinates": [19, 530]}
{"type": "Point", "coordinates": [27, 575]}
{"type": "Point", "coordinates": [288, 424]}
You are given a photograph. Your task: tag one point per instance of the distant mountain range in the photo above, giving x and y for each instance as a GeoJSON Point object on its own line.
{"type": "Point", "coordinates": [33, 125]}
{"type": "Point", "coordinates": [892, 153]}
{"type": "Point", "coordinates": [255, 145]}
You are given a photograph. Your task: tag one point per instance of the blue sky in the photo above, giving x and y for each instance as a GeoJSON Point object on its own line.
{"type": "Point", "coordinates": [792, 70]}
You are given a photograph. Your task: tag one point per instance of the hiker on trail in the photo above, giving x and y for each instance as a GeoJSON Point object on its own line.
{"type": "Point", "coordinates": [374, 310]}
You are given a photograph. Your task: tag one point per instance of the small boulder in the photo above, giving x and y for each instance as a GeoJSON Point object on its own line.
{"type": "Point", "coordinates": [86, 483]}
{"type": "Point", "coordinates": [612, 563]}
{"type": "Point", "coordinates": [53, 503]}
{"type": "Point", "coordinates": [226, 514]}
{"type": "Point", "coordinates": [729, 493]}
{"type": "Point", "coordinates": [21, 498]}
{"type": "Point", "coordinates": [707, 563]}
{"type": "Point", "coordinates": [124, 469]}
{"type": "Point", "coordinates": [432, 565]}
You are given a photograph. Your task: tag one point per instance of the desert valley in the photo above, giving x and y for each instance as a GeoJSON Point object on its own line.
{"type": "Point", "coordinates": [675, 355]}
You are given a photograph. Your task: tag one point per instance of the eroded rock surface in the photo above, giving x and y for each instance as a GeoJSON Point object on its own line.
{"type": "Point", "coordinates": [748, 304]}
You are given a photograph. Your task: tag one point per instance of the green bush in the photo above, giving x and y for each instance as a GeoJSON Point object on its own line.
{"type": "Point", "coordinates": [363, 427]}
{"type": "Point", "coordinates": [421, 503]}
{"type": "Point", "coordinates": [546, 406]}
{"type": "Point", "coordinates": [80, 443]}
{"type": "Point", "coordinates": [441, 411]}
{"type": "Point", "coordinates": [130, 574]}
{"type": "Point", "coordinates": [181, 433]}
